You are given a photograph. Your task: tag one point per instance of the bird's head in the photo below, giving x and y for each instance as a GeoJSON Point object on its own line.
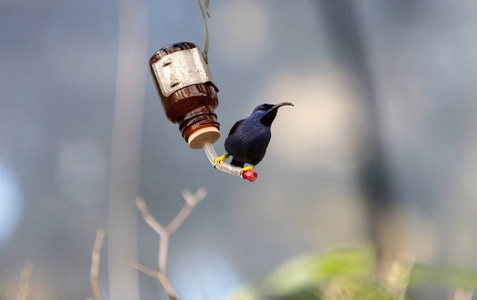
{"type": "Point", "coordinates": [266, 112]}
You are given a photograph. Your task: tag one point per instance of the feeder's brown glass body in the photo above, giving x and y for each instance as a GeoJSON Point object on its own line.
{"type": "Point", "coordinates": [191, 107]}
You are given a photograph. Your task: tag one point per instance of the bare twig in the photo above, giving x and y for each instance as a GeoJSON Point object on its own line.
{"type": "Point", "coordinates": [164, 234]}
{"type": "Point", "coordinates": [24, 288]}
{"type": "Point", "coordinates": [162, 254]}
{"type": "Point", "coordinates": [141, 268]}
{"type": "Point", "coordinates": [191, 202]}
{"type": "Point", "coordinates": [95, 259]}
{"type": "Point", "coordinates": [141, 204]}
{"type": "Point", "coordinates": [154, 274]}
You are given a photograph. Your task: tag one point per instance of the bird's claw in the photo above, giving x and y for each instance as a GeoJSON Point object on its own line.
{"type": "Point", "coordinates": [246, 169]}
{"type": "Point", "coordinates": [220, 159]}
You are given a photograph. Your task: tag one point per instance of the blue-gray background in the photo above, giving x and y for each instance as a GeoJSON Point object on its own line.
{"type": "Point", "coordinates": [58, 63]}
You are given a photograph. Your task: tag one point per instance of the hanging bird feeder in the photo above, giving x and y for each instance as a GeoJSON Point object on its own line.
{"type": "Point", "coordinates": [189, 98]}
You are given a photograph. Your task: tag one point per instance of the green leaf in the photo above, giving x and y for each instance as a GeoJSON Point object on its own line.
{"type": "Point", "coordinates": [445, 276]}
{"type": "Point", "coordinates": [318, 271]}
{"type": "Point", "coordinates": [350, 274]}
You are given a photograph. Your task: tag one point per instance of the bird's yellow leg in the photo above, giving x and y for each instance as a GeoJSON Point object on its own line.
{"type": "Point", "coordinates": [221, 158]}
{"type": "Point", "coordinates": [246, 169]}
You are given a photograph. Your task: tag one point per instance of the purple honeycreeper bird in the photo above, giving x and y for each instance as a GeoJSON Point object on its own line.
{"type": "Point", "coordinates": [249, 138]}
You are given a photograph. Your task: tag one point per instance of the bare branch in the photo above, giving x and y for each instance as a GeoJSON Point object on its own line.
{"type": "Point", "coordinates": [191, 202]}
{"type": "Point", "coordinates": [141, 268]}
{"type": "Point", "coordinates": [95, 259]}
{"type": "Point", "coordinates": [24, 288]}
{"type": "Point", "coordinates": [141, 204]}
{"type": "Point", "coordinates": [196, 198]}
{"type": "Point", "coordinates": [154, 274]}
{"type": "Point", "coordinates": [164, 234]}
{"type": "Point", "coordinates": [167, 286]}
{"type": "Point", "coordinates": [180, 218]}
{"type": "Point", "coordinates": [163, 250]}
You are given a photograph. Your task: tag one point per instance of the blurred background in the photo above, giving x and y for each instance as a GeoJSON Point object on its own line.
{"type": "Point", "coordinates": [379, 149]}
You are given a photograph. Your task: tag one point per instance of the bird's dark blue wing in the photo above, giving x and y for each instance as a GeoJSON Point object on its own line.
{"type": "Point", "coordinates": [236, 125]}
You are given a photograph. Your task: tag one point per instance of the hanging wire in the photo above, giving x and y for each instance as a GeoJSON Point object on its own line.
{"type": "Point", "coordinates": [206, 42]}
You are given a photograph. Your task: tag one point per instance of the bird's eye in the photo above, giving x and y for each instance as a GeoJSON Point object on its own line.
{"type": "Point", "coordinates": [263, 107]}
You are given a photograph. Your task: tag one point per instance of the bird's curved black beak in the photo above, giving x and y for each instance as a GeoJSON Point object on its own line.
{"type": "Point", "coordinates": [272, 113]}
{"type": "Point", "coordinates": [276, 106]}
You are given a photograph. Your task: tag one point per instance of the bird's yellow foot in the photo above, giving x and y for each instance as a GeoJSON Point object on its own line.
{"type": "Point", "coordinates": [221, 158]}
{"type": "Point", "coordinates": [246, 169]}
